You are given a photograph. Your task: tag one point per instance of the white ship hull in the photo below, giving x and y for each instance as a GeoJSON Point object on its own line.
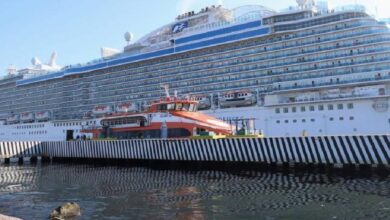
{"type": "Point", "coordinates": [357, 117]}
{"type": "Point", "coordinates": [42, 131]}
{"type": "Point", "coordinates": [362, 119]}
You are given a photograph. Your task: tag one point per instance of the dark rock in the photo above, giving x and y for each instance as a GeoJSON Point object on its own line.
{"type": "Point", "coordinates": [67, 210]}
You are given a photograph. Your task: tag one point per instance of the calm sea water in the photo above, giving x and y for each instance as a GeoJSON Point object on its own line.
{"type": "Point", "coordinates": [112, 192]}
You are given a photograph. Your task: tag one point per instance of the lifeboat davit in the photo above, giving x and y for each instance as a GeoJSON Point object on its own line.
{"type": "Point", "coordinates": [42, 116]}
{"type": "Point", "coordinates": [237, 99]}
{"type": "Point", "coordinates": [13, 119]}
{"type": "Point", "coordinates": [204, 101]}
{"type": "Point", "coordinates": [102, 110]}
{"type": "Point", "coordinates": [126, 107]}
{"type": "Point", "coordinates": [27, 117]}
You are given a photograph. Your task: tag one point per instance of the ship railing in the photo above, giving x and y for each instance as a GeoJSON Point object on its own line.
{"type": "Point", "coordinates": [286, 88]}
{"type": "Point", "coordinates": [327, 57]}
{"type": "Point", "coordinates": [368, 79]}
{"type": "Point", "coordinates": [221, 24]}
{"type": "Point", "coordinates": [324, 98]}
{"type": "Point", "coordinates": [303, 86]}
{"type": "Point", "coordinates": [90, 127]}
{"type": "Point", "coordinates": [323, 48]}
{"type": "Point", "coordinates": [351, 8]}
{"type": "Point", "coordinates": [251, 69]}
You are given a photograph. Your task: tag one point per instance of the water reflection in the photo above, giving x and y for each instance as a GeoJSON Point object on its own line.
{"type": "Point", "coordinates": [143, 193]}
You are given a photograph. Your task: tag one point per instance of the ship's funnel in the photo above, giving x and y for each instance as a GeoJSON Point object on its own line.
{"type": "Point", "coordinates": [35, 61]}
{"type": "Point", "coordinates": [53, 58]}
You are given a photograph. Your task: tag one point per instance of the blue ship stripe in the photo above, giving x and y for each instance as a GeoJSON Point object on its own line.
{"type": "Point", "coordinates": [127, 60]}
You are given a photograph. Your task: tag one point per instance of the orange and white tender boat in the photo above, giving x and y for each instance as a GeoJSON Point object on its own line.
{"type": "Point", "coordinates": [169, 118]}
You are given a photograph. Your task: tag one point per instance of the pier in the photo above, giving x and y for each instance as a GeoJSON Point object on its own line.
{"type": "Point", "coordinates": [336, 151]}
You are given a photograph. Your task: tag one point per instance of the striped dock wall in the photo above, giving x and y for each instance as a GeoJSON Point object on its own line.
{"type": "Point", "coordinates": [331, 150]}
{"type": "Point", "coordinates": [20, 149]}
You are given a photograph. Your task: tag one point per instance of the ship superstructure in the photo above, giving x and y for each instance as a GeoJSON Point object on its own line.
{"type": "Point", "coordinates": [304, 71]}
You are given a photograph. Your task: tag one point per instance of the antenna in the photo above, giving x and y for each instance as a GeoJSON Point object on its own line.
{"type": "Point", "coordinates": [301, 3]}
{"type": "Point", "coordinates": [35, 61]}
{"type": "Point", "coordinates": [11, 70]}
{"type": "Point", "coordinates": [166, 88]}
{"type": "Point", "coordinates": [376, 9]}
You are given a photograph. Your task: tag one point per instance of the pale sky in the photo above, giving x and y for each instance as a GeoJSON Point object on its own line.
{"type": "Point", "coordinates": [77, 29]}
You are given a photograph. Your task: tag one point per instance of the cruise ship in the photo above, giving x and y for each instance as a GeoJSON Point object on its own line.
{"type": "Point", "coordinates": [307, 70]}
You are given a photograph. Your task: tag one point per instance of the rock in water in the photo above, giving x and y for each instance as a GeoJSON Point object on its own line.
{"type": "Point", "coordinates": [67, 210]}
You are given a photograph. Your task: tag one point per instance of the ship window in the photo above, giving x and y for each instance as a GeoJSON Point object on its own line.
{"type": "Point", "coordinates": [331, 119]}
{"type": "Point", "coordinates": [294, 121]}
{"type": "Point", "coordinates": [186, 107]}
{"type": "Point", "coordinates": [350, 105]}
{"type": "Point", "coordinates": [303, 120]}
{"type": "Point", "coordinates": [162, 107]}
{"type": "Point", "coordinates": [303, 108]}
{"type": "Point", "coordinates": [341, 118]}
{"type": "Point", "coordinates": [311, 108]}
{"type": "Point", "coordinates": [312, 120]}
{"type": "Point", "coordinates": [330, 107]}
{"type": "Point", "coordinates": [192, 108]}
{"type": "Point", "coordinates": [179, 106]}
{"type": "Point", "coordinates": [351, 118]}
{"type": "Point", "coordinates": [277, 122]}
{"type": "Point", "coordinates": [340, 106]}
{"type": "Point", "coordinates": [277, 110]}
{"type": "Point", "coordinates": [294, 109]}
{"type": "Point", "coordinates": [285, 110]}
{"type": "Point", "coordinates": [286, 121]}
{"type": "Point", "coordinates": [320, 107]}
